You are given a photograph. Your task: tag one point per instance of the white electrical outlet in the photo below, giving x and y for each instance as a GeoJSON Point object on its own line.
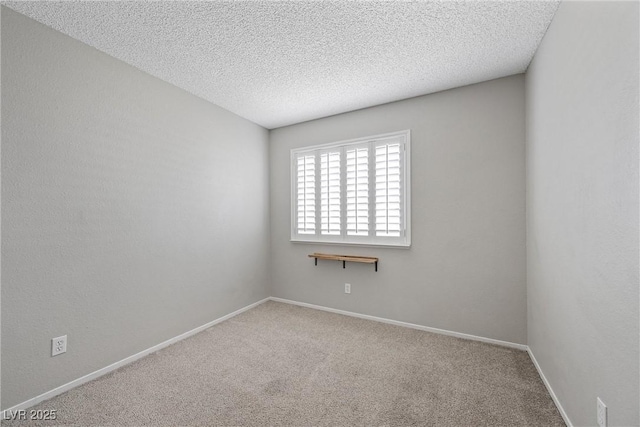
{"type": "Point", "coordinates": [58, 345]}
{"type": "Point", "coordinates": [347, 288]}
{"type": "Point", "coordinates": [602, 413]}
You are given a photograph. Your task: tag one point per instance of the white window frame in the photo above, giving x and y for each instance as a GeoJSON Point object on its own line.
{"type": "Point", "coordinates": [403, 241]}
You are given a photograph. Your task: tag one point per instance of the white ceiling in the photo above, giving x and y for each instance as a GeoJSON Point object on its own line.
{"type": "Point", "coordinates": [279, 63]}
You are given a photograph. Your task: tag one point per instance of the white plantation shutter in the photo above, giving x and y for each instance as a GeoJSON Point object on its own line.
{"type": "Point", "coordinates": [330, 188]}
{"type": "Point", "coordinates": [306, 194]}
{"type": "Point", "coordinates": [357, 173]}
{"type": "Point", "coordinates": [388, 192]}
{"type": "Point", "coordinates": [353, 192]}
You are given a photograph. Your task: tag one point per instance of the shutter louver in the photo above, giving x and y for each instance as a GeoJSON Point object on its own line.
{"type": "Point", "coordinates": [306, 210]}
{"type": "Point", "coordinates": [330, 193]}
{"type": "Point", "coordinates": [388, 190]}
{"type": "Point", "coordinates": [357, 201]}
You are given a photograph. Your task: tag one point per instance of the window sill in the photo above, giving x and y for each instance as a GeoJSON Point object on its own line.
{"type": "Point", "coordinates": [361, 245]}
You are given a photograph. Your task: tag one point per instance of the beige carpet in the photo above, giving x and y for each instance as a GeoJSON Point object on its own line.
{"type": "Point", "coordinates": [279, 364]}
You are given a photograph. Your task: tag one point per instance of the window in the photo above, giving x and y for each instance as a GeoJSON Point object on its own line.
{"type": "Point", "coordinates": [352, 192]}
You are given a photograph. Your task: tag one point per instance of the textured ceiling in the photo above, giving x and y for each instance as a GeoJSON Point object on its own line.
{"type": "Point", "coordinates": [279, 63]}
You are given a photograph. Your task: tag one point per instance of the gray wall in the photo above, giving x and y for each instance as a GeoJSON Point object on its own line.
{"type": "Point", "coordinates": [132, 211]}
{"type": "Point", "coordinates": [465, 270]}
{"type": "Point", "coordinates": [582, 209]}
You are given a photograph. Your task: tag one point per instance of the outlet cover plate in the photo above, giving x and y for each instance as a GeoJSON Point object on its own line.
{"type": "Point", "coordinates": [58, 345]}
{"type": "Point", "coordinates": [602, 413]}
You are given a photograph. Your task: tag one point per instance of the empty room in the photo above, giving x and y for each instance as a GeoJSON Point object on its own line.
{"type": "Point", "coordinates": [320, 213]}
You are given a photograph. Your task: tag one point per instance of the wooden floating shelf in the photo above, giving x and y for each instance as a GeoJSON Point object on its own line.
{"type": "Point", "coordinates": [345, 258]}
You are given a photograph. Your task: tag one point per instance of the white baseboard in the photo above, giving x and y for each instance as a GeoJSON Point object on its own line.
{"type": "Point", "coordinates": [100, 372]}
{"type": "Point", "coordinates": [405, 324]}
{"type": "Point", "coordinates": [555, 399]}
